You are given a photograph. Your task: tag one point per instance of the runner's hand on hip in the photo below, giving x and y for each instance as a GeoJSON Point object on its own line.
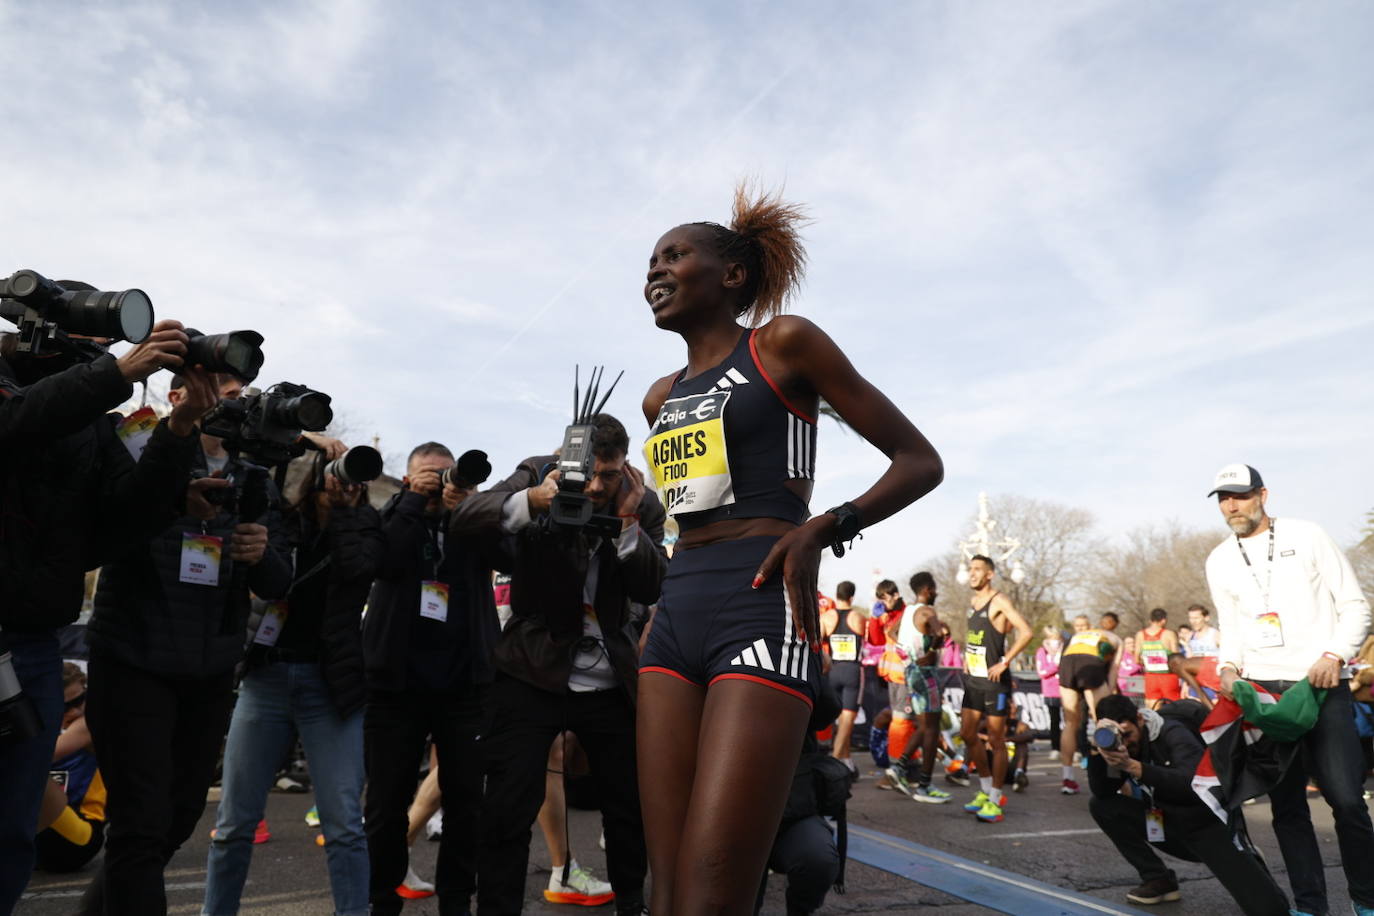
{"type": "Point", "coordinates": [798, 552]}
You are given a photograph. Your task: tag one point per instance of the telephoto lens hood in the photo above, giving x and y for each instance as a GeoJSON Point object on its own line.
{"type": "Point", "coordinates": [472, 469]}
{"type": "Point", "coordinates": [360, 464]}
{"type": "Point", "coordinates": [239, 353]}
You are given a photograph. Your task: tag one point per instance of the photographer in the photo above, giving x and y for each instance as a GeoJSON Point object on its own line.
{"type": "Point", "coordinates": [427, 640]}
{"type": "Point", "coordinates": [167, 632]}
{"type": "Point", "coordinates": [70, 495]}
{"type": "Point", "coordinates": [1157, 756]}
{"type": "Point", "coordinates": [305, 675]}
{"type": "Point", "coordinates": [568, 659]}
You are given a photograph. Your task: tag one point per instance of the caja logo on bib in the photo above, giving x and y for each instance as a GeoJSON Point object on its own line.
{"type": "Point", "coordinates": [686, 452]}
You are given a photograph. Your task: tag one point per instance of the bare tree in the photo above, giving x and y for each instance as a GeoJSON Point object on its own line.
{"type": "Point", "coordinates": [1057, 542]}
{"type": "Point", "coordinates": [1160, 565]}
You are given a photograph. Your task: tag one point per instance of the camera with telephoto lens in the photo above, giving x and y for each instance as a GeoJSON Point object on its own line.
{"type": "Point", "coordinates": [238, 353]}
{"type": "Point", "coordinates": [572, 508]}
{"type": "Point", "coordinates": [360, 464]}
{"type": "Point", "coordinates": [47, 311]}
{"type": "Point", "coordinates": [265, 426]}
{"type": "Point", "coordinates": [1106, 735]}
{"type": "Point", "coordinates": [18, 716]}
{"type": "Point", "coordinates": [472, 469]}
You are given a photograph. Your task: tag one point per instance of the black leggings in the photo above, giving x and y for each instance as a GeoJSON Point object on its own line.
{"type": "Point", "coordinates": [1056, 711]}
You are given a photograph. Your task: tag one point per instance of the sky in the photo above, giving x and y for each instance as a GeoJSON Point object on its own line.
{"type": "Point", "coordinates": [1094, 250]}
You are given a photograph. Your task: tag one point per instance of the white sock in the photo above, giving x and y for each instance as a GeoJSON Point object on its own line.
{"type": "Point", "coordinates": [1068, 772]}
{"type": "Point", "coordinates": [985, 783]}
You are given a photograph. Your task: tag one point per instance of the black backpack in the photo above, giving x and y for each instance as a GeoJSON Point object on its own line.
{"type": "Point", "coordinates": [822, 786]}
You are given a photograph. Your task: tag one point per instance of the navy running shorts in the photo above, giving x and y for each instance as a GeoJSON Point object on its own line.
{"type": "Point", "coordinates": [846, 679]}
{"type": "Point", "coordinates": [711, 625]}
{"type": "Point", "coordinates": [988, 697]}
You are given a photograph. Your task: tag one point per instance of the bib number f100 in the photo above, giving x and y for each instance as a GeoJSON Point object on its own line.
{"type": "Point", "coordinates": [686, 453]}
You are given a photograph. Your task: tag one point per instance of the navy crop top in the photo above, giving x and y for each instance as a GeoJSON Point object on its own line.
{"type": "Point", "coordinates": [725, 443]}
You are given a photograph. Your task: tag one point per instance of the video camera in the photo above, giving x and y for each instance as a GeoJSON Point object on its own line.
{"type": "Point", "coordinates": [46, 312]}
{"type": "Point", "coordinates": [265, 426]}
{"type": "Point", "coordinates": [571, 508]}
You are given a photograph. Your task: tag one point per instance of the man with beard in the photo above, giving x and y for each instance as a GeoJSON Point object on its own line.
{"type": "Point", "coordinates": [1291, 609]}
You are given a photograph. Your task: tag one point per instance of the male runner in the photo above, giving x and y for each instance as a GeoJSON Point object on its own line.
{"type": "Point", "coordinates": [921, 635]}
{"type": "Point", "coordinates": [1153, 646]}
{"type": "Point", "coordinates": [987, 683]}
{"type": "Point", "coordinates": [1087, 673]}
{"type": "Point", "coordinates": [842, 638]}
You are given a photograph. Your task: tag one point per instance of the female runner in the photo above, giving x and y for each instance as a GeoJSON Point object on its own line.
{"type": "Point", "coordinates": [730, 669]}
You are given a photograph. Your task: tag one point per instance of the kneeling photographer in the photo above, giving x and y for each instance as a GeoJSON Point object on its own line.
{"type": "Point", "coordinates": [1155, 756]}
{"type": "Point", "coordinates": [167, 632]}
{"type": "Point", "coordinates": [304, 675]}
{"type": "Point", "coordinates": [70, 494]}
{"type": "Point", "coordinates": [568, 659]}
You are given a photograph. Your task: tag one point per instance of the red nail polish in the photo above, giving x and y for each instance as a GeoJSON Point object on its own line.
{"type": "Point", "coordinates": [758, 580]}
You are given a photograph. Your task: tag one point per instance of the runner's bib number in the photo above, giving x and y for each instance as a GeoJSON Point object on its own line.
{"type": "Point", "coordinates": [976, 657]}
{"type": "Point", "coordinates": [686, 453]}
{"type": "Point", "coordinates": [1156, 660]}
{"type": "Point", "coordinates": [844, 647]}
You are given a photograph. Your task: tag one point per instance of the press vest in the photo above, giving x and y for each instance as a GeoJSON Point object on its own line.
{"type": "Point", "coordinates": [726, 442]}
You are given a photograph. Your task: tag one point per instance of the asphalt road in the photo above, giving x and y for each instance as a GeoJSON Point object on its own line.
{"type": "Point", "coordinates": [1045, 836]}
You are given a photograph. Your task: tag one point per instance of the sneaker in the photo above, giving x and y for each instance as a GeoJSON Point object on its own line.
{"type": "Point", "coordinates": [990, 813]}
{"type": "Point", "coordinates": [957, 777]}
{"type": "Point", "coordinates": [1069, 787]}
{"type": "Point", "coordinates": [287, 784]}
{"type": "Point", "coordinates": [930, 795]}
{"type": "Point", "coordinates": [1361, 910]}
{"type": "Point", "coordinates": [977, 804]}
{"type": "Point", "coordinates": [1054, 755]}
{"type": "Point", "coordinates": [582, 888]}
{"type": "Point", "coordinates": [414, 887]}
{"type": "Point", "coordinates": [1156, 890]}
{"type": "Point", "coordinates": [853, 768]}
{"type": "Point", "coordinates": [319, 839]}
{"type": "Point", "coordinates": [1020, 782]}
{"type": "Point", "coordinates": [897, 775]}
{"type": "Point", "coordinates": [434, 827]}
{"type": "Point", "coordinates": [884, 782]}
{"type": "Point", "coordinates": [262, 834]}
{"type": "Point", "coordinates": [312, 817]}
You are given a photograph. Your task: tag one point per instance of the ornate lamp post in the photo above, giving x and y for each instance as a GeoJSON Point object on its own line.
{"type": "Point", "coordinates": [981, 542]}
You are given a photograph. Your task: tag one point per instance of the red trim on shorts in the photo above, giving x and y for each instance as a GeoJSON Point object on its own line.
{"type": "Point", "coordinates": [668, 671]}
{"type": "Point", "coordinates": [758, 363]}
{"type": "Point", "coordinates": [767, 683]}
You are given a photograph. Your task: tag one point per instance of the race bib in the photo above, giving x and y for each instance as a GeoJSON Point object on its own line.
{"type": "Point", "coordinates": [976, 657]}
{"type": "Point", "coordinates": [686, 453]}
{"type": "Point", "coordinates": [844, 647]}
{"type": "Point", "coordinates": [1268, 630]}
{"type": "Point", "coordinates": [273, 619]}
{"type": "Point", "coordinates": [1087, 639]}
{"type": "Point", "coordinates": [434, 600]}
{"type": "Point", "coordinates": [136, 429]}
{"type": "Point", "coordinates": [1156, 660]}
{"type": "Point", "coordinates": [200, 556]}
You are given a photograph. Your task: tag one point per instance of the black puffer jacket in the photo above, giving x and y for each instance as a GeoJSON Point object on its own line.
{"type": "Point", "coordinates": [145, 616]}
{"type": "Point", "coordinates": [71, 496]}
{"type": "Point", "coordinates": [353, 543]}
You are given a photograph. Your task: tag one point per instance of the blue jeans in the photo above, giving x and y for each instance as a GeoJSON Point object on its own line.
{"type": "Point", "coordinates": [24, 765]}
{"type": "Point", "coordinates": [1332, 758]}
{"type": "Point", "coordinates": [271, 700]}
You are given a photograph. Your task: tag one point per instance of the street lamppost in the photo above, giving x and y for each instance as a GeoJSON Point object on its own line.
{"type": "Point", "coordinates": [981, 542]}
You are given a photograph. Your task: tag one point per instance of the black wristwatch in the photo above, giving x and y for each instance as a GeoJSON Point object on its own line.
{"type": "Point", "coordinates": [847, 526]}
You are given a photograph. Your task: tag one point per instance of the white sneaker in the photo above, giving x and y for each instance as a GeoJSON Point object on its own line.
{"type": "Point", "coordinates": [434, 827]}
{"type": "Point", "coordinates": [414, 887]}
{"type": "Point", "coordinates": [1054, 755]}
{"type": "Point", "coordinates": [582, 888]}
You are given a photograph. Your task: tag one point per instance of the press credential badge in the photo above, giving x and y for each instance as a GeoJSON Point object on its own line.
{"type": "Point", "coordinates": [434, 600]}
{"type": "Point", "coordinates": [273, 620]}
{"type": "Point", "coordinates": [136, 429]}
{"type": "Point", "coordinates": [200, 558]}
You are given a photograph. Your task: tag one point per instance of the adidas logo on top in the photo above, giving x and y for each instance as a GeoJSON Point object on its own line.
{"type": "Point", "coordinates": [730, 379]}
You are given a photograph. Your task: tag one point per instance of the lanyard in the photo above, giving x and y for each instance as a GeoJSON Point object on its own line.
{"type": "Point", "coordinates": [1268, 573]}
{"type": "Point", "coordinates": [434, 549]}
